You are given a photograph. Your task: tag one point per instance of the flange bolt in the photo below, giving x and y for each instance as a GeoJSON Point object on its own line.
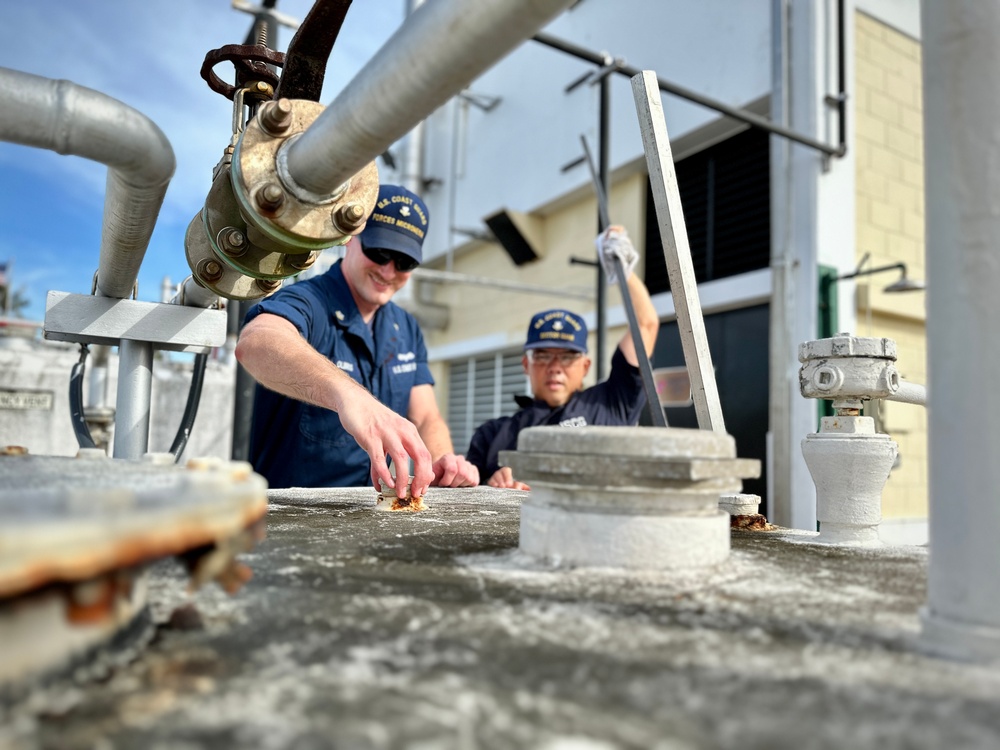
{"type": "Point", "coordinates": [270, 197]}
{"type": "Point", "coordinates": [233, 242]}
{"type": "Point", "coordinates": [349, 216]}
{"type": "Point", "coordinates": [268, 285]}
{"type": "Point", "coordinates": [276, 117]}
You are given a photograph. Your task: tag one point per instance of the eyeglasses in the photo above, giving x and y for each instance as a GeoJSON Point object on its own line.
{"type": "Point", "coordinates": [379, 256]}
{"type": "Point", "coordinates": [546, 358]}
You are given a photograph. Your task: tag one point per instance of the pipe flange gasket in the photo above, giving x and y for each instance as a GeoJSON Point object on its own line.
{"type": "Point", "coordinates": [297, 225]}
{"type": "Point", "coordinates": [229, 282]}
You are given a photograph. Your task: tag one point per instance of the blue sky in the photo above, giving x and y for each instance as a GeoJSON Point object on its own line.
{"type": "Point", "coordinates": [148, 55]}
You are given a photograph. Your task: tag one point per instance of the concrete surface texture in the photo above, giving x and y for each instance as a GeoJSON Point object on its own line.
{"type": "Point", "coordinates": [364, 629]}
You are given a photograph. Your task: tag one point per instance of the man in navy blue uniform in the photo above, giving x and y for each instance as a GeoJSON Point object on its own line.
{"type": "Point", "coordinates": [342, 371]}
{"type": "Point", "coordinates": [556, 362]}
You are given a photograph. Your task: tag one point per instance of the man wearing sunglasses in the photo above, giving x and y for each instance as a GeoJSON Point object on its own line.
{"type": "Point", "coordinates": [342, 371]}
{"type": "Point", "coordinates": [556, 362]}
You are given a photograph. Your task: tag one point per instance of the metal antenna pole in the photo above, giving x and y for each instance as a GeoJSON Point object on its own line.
{"type": "Point", "coordinates": [645, 369]}
{"type": "Point", "coordinates": [677, 252]}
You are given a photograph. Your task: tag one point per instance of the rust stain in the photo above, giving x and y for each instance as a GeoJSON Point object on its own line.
{"type": "Point", "coordinates": [751, 522]}
{"type": "Point", "coordinates": [158, 541]}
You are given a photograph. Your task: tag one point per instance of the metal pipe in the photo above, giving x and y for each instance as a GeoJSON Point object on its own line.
{"type": "Point", "coordinates": [442, 47]}
{"type": "Point", "coordinates": [603, 159]}
{"type": "Point", "coordinates": [432, 275]}
{"type": "Point", "coordinates": [97, 388]}
{"type": "Point", "coordinates": [961, 149]}
{"type": "Point", "coordinates": [671, 88]}
{"type": "Point", "coordinates": [69, 119]}
{"type": "Point", "coordinates": [909, 393]}
{"type": "Point", "coordinates": [135, 387]}
{"type": "Point", "coordinates": [193, 294]}
{"type": "Point", "coordinates": [412, 172]}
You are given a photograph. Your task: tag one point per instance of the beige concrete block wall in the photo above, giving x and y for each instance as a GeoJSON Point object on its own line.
{"type": "Point", "coordinates": [566, 230]}
{"type": "Point", "coordinates": [890, 226]}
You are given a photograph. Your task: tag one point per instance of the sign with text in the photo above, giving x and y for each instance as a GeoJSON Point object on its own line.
{"type": "Point", "coordinates": [18, 399]}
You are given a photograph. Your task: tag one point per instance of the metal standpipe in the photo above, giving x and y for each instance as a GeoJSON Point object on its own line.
{"type": "Point", "coordinates": [135, 384]}
{"type": "Point", "coordinates": [961, 151]}
{"type": "Point", "coordinates": [443, 47]}
{"type": "Point", "coordinates": [69, 119]}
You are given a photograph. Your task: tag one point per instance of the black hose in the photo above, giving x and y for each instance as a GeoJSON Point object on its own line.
{"type": "Point", "coordinates": [191, 408]}
{"type": "Point", "coordinates": [80, 429]}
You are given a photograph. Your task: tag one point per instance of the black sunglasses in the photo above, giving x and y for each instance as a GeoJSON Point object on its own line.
{"type": "Point", "coordinates": [379, 256]}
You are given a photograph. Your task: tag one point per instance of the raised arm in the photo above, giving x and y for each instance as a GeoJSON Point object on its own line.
{"type": "Point", "coordinates": [449, 469]}
{"type": "Point", "coordinates": [646, 317]}
{"type": "Point", "coordinates": [613, 243]}
{"type": "Point", "coordinates": [275, 354]}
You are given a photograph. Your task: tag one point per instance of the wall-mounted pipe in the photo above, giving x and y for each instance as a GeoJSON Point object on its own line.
{"type": "Point", "coordinates": [69, 119]}
{"type": "Point", "coordinates": [442, 48]}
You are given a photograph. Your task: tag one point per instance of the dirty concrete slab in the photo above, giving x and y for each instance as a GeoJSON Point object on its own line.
{"type": "Point", "coordinates": [368, 629]}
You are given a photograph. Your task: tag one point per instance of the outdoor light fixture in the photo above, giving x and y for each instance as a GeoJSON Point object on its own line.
{"type": "Point", "coordinates": [903, 284]}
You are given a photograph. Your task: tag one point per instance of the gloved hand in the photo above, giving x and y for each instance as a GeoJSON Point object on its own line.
{"type": "Point", "coordinates": [613, 243]}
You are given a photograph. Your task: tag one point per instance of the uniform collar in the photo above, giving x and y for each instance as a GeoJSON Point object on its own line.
{"type": "Point", "coordinates": [345, 315]}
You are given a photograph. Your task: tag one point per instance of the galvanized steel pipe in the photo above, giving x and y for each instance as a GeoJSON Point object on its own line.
{"type": "Point", "coordinates": [444, 45]}
{"type": "Point", "coordinates": [69, 119]}
{"type": "Point", "coordinates": [135, 387]}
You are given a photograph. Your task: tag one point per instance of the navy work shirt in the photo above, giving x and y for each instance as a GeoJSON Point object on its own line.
{"type": "Point", "coordinates": [616, 401]}
{"type": "Point", "coordinates": [293, 444]}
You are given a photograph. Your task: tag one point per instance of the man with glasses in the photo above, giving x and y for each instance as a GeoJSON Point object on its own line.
{"type": "Point", "coordinates": [342, 371]}
{"type": "Point", "coordinates": [556, 362]}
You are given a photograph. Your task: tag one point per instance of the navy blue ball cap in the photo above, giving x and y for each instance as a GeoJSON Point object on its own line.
{"type": "Point", "coordinates": [399, 222]}
{"type": "Point", "coordinates": [557, 329]}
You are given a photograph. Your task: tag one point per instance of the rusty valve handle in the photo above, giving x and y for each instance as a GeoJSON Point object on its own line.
{"type": "Point", "coordinates": [250, 61]}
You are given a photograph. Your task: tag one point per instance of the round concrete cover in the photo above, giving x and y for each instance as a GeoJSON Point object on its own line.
{"type": "Point", "coordinates": [628, 442]}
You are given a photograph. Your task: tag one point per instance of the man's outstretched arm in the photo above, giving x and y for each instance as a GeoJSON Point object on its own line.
{"type": "Point", "coordinates": [275, 354]}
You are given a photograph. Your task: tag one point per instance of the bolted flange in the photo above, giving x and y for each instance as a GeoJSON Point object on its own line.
{"type": "Point", "coordinates": [295, 222]}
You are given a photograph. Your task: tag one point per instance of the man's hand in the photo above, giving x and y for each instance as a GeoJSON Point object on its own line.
{"type": "Point", "coordinates": [454, 471]}
{"type": "Point", "coordinates": [504, 479]}
{"type": "Point", "coordinates": [381, 432]}
{"type": "Point", "coordinates": [613, 243]}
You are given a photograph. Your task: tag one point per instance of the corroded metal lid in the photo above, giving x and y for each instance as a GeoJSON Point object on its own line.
{"type": "Point", "coordinates": [70, 519]}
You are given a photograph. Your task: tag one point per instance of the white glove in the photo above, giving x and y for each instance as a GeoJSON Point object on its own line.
{"type": "Point", "coordinates": [613, 243]}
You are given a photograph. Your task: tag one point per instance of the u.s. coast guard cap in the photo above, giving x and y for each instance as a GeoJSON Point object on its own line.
{"type": "Point", "coordinates": [557, 329]}
{"type": "Point", "coordinates": [399, 222]}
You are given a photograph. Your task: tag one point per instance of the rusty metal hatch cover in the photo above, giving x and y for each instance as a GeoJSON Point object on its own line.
{"type": "Point", "coordinates": [70, 519]}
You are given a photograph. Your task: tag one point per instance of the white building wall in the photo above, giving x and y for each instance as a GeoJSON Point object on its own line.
{"type": "Point", "coordinates": [512, 155]}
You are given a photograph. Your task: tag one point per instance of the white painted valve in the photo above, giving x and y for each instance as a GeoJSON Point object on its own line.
{"type": "Point", "coordinates": [849, 462]}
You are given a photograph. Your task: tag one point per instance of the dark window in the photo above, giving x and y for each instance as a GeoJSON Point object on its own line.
{"type": "Point", "coordinates": [726, 194]}
{"type": "Point", "coordinates": [737, 340]}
